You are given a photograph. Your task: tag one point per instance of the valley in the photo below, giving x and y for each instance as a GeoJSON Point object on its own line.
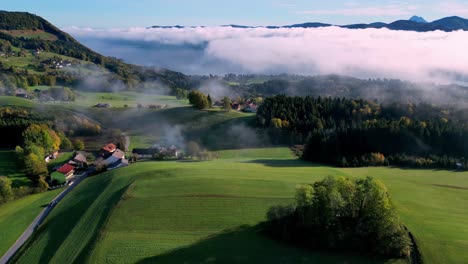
{"type": "Point", "coordinates": [307, 143]}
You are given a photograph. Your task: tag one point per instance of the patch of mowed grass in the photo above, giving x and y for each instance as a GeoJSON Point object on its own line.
{"type": "Point", "coordinates": [192, 204]}
{"type": "Point", "coordinates": [434, 206]}
{"type": "Point", "coordinates": [62, 158]}
{"type": "Point", "coordinates": [16, 216]}
{"type": "Point", "coordinates": [256, 153]}
{"type": "Point", "coordinates": [131, 99]}
{"type": "Point", "coordinates": [15, 101]}
{"type": "Point", "coordinates": [72, 227]}
{"type": "Point", "coordinates": [192, 212]}
{"type": "Point", "coordinates": [8, 168]}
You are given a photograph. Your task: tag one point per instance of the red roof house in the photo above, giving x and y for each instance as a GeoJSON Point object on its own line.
{"type": "Point", "coordinates": [109, 147]}
{"type": "Point", "coordinates": [66, 169]}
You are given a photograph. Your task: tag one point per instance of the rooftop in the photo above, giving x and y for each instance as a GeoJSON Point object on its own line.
{"type": "Point", "coordinates": [66, 168]}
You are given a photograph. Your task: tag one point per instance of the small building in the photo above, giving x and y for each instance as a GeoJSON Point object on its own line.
{"type": "Point", "coordinates": [21, 93]}
{"type": "Point", "coordinates": [252, 108]}
{"type": "Point", "coordinates": [107, 150]}
{"type": "Point", "coordinates": [236, 106]}
{"type": "Point", "coordinates": [79, 161]}
{"type": "Point", "coordinates": [116, 156]}
{"type": "Point", "coordinates": [63, 173]}
{"type": "Point", "coordinates": [102, 105]}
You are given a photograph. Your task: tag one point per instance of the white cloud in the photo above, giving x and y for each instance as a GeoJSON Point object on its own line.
{"type": "Point", "coordinates": [361, 53]}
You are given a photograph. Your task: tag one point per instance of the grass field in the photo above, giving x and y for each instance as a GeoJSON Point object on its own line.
{"type": "Point", "coordinates": [131, 99]}
{"type": "Point", "coordinates": [37, 34]}
{"type": "Point", "coordinates": [193, 212]}
{"type": "Point", "coordinates": [8, 168]}
{"type": "Point", "coordinates": [17, 215]}
{"type": "Point", "coordinates": [63, 158]}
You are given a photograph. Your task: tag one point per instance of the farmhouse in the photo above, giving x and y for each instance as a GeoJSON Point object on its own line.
{"type": "Point", "coordinates": [21, 93]}
{"type": "Point", "coordinates": [116, 157]}
{"type": "Point", "coordinates": [157, 150]}
{"type": "Point", "coordinates": [62, 174]}
{"type": "Point", "coordinates": [252, 108]}
{"type": "Point", "coordinates": [79, 160]}
{"type": "Point", "coordinates": [107, 150]}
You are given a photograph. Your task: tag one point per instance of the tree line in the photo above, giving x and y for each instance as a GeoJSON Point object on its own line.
{"type": "Point", "coordinates": [347, 132]}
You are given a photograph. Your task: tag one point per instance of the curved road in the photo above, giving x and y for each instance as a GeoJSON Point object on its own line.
{"type": "Point", "coordinates": [39, 219]}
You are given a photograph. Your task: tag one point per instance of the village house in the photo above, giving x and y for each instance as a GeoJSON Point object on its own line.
{"type": "Point", "coordinates": [156, 150]}
{"type": "Point", "coordinates": [63, 174]}
{"type": "Point", "coordinates": [116, 156]}
{"type": "Point", "coordinates": [21, 93]}
{"type": "Point", "coordinates": [250, 109]}
{"type": "Point", "coordinates": [236, 106]}
{"type": "Point", "coordinates": [107, 150]}
{"type": "Point", "coordinates": [79, 161]}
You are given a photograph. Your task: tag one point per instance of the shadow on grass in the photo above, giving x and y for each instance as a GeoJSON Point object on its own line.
{"type": "Point", "coordinates": [428, 169]}
{"type": "Point", "coordinates": [286, 163]}
{"type": "Point", "coordinates": [246, 245]}
{"type": "Point", "coordinates": [57, 227]}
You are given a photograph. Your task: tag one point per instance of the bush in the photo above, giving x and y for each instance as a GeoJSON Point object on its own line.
{"type": "Point", "coordinates": [6, 192]}
{"type": "Point", "coordinates": [342, 214]}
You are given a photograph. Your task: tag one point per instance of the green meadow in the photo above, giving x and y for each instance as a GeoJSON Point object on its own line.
{"type": "Point", "coordinates": [194, 212]}
{"type": "Point", "coordinates": [17, 215]}
{"type": "Point", "coordinates": [8, 168]}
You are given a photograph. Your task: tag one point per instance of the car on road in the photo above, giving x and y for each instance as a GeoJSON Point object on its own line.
{"type": "Point", "coordinates": [53, 203]}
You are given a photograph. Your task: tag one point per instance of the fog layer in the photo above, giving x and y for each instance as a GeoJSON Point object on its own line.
{"type": "Point", "coordinates": [430, 56]}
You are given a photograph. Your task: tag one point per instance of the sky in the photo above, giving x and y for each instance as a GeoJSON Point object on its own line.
{"type": "Point", "coordinates": [142, 13]}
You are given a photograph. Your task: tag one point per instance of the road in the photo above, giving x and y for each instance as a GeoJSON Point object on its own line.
{"type": "Point", "coordinates": [39, 219]}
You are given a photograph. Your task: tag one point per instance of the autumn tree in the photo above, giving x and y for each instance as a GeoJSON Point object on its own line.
{"type": "Point", "coordinates": [6, 192]}
{"type": "Point", "coordinates": [227, 103]}
{"type": "Point", "coordinates": [41, 135]}
{"type": "Point", "coordinates": [78, 144]}
{"type": "Point", "coordinates": [198, 100]}
{"type": "Point", "coordinates": [65, 142]}
{"type": "Point", "coordinates": [342, 214]}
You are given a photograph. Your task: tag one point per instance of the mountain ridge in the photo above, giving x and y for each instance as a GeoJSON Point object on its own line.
{"type": "Point", "coordinates": [415, 23]}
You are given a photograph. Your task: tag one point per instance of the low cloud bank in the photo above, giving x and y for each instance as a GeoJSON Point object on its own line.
{"type": "Point", "coordinates": [378, 53]}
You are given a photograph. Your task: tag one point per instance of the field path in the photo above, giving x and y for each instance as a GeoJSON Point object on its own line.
{"type": "Point", "coordinates": [38, 220]}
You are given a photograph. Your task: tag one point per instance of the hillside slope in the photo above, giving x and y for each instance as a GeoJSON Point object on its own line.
{"type": "Point", "coordinates": [24, 36]}
{"type": "Point", "coordinates": [192, 212]}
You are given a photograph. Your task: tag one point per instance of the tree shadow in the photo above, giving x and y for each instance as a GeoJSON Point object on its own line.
{"type": "Point", "coordinates": [428, 169]}
{"type": "Point", "coordinates": [285, 163]}
{"type": "Point", "coordinates": [246, 245]}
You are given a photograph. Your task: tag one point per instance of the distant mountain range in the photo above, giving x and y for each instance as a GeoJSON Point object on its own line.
{"type": "Point", "coordinates": [415, 23]}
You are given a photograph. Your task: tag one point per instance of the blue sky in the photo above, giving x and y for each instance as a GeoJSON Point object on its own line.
{"type": "Point", "coordinates": [131, 13]}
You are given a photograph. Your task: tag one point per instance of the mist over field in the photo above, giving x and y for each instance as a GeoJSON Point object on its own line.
{"type": "Point", "coordinates": [369, 53]}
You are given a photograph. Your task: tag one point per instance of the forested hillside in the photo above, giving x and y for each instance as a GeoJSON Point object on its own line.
{"type": "Point", "coordinates": [348, 132]}
{"type": "Point", "coordinates": [382, 90]}
{"type": "Point", "coordinates": [20, 38]}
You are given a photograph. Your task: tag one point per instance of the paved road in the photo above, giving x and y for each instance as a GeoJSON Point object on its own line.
{"type": "Point", "coordinates": [39, 219]}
